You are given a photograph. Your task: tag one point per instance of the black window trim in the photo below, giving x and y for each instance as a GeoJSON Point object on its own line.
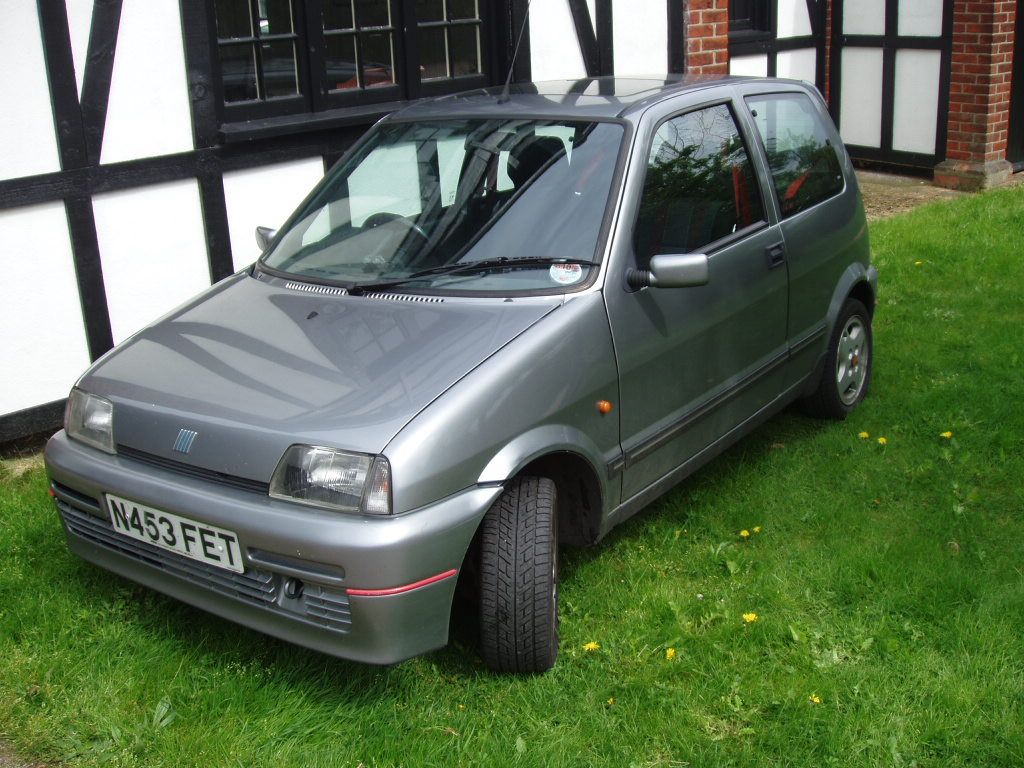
{"type": "Point", "coordinates": [315, 108]}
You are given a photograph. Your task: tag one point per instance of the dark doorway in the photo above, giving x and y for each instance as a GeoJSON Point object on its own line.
{"type": "Point", "coordinates": [1015, 140]}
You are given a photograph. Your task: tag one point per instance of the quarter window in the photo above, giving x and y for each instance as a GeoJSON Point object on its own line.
{"type": "Point", "coordinates": [805, 167]}
{"type": "Point", "coordinates": [699, 187]}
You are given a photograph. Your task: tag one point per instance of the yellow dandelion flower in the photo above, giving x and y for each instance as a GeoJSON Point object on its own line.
{"type": "Point", "coordinates": [863, 435]}
{"type": "Point", "coordinates": [744, 534]}
{"type": "Point", "coordinates": [670, 653]}
{"type": "Point", "coordinates": [611, 701]}
{"type": "Point", "coordinates": [947, 435]}
{"type": "Point", "coordinates": [757, 529]}
{"type": "Point", "coordinates": [591, 646]}
{"type": "Point", "coordinates": [918, 263]}
{"type": "Point", "coordinates": [462, 707]}
{"type": "Point", "coordinates": [749, 618]}
{"type": "Point", "coordinates": [882, 441]}
{"type": "Point", "coordinates": [814, 698]}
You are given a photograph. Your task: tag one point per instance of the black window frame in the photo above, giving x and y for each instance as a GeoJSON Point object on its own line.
{"type": "Point", "coordinates": [315, 99]}
{"type": "Point", "coordinates": [751, 20]}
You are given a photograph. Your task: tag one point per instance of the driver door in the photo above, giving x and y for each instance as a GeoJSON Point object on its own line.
{"type": "Point", "coordinates": [696, 362]}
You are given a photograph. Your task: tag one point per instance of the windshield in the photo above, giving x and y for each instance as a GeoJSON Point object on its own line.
{"type": "Point", "coordinates": [460, 205]}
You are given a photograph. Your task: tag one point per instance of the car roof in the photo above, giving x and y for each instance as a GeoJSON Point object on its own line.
{"type": "Point", "coordinates": [597, 97]}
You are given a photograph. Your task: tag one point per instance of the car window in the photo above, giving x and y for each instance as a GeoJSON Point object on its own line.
{"type": "Point", "coordinates": [804, 164]}
{"type": "Point", "coordinates": [700, 186]}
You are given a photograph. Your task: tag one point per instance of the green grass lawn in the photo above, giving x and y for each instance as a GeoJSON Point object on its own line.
{"type": "Point", "coordinates": [887, 583]}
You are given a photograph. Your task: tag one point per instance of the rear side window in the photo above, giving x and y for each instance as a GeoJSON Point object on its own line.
{"type": "Point", "coordinates": [699, 186]}
{"type": "Point", "coordinates": [805, 168]}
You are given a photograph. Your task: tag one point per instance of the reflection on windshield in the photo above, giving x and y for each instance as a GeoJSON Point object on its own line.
{"type": "Point", "coordinates": [418, 196]}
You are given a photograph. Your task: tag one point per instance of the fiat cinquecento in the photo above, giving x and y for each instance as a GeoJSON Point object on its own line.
{"type": "Point", "coordinates": [504, 322]}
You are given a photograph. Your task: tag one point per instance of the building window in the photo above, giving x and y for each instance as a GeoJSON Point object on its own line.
{"type": "Point", "coordinates": [279, 57]}
{"type": "Point", "coordinates": [749, 19]}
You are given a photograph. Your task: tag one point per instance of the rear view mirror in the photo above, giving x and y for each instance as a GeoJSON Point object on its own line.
{"type": "Point", "coordinates": [263, 236]}
{"type": "Point", "coordinates": [676, 270]}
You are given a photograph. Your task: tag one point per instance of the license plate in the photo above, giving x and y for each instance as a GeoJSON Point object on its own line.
{"type": "Point", "coordinates": [199, 541]}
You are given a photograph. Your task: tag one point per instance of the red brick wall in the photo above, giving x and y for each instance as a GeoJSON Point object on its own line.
{"type": "Point", "coordinates": [979, 93]}
{"type": "Point", "coordinates": [707, 36]}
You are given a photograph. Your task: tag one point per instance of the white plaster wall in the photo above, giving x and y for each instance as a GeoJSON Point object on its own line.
{"type": "Point", "coordinates": [43, 344]}
{"type": "Point", "coordinates": [80, 23]}
{"type": "Point", "coordinates": [921, 18]}
{"type": "Point", "coordinates": [799, 64]}
{"type": "Point", "coordinates": [863, 17]}
{"type": "Point", "coordinates": [754, 66]}
{"type": "Point", "coordinates": [916, 109]}
{"type": "Point", "coordinates": [640, 37]}
{"type": "Point", "coordinates": [265, 196]}
{"type": "Point", "coordinates": [860, 108]}
{"type": "Point", "coordinates": [148, 114]}
{"type": "Point", "coordinates": [153, 251]}
{"type": "Point", "coordinates": [794, 20]}
{"type": "Point", "coordinates": [554, 52]}
{"type": "Point", "coordinates": [28, 144]}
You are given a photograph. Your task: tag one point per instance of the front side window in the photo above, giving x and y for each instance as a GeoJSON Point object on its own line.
{"type": "Point", "coordinates": [480, 205]}
{"type": "Point", "coordinates": [699, 187]}
{"type": "Point", "coordinates": [805, 167]}
{"type": "Point", "coordinates": [290, 56]}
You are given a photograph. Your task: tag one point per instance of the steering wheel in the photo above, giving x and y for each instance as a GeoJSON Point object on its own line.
{"type": "Point", "coordinates": [381, 218]}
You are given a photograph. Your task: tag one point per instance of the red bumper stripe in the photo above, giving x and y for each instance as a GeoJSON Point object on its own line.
{"type": "Point", "coordinates": [399, 590]}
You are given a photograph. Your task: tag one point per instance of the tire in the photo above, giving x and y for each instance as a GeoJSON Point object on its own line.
{"type": "Point", "coordinates": [519, 578]}
{"type": "Point", "coordinates": [847, 373]}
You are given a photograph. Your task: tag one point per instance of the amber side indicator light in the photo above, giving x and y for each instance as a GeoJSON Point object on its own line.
{"type": "Point", "coordinates": [603, 407]}
{"type": "Point", "coordinates": [51, 493]}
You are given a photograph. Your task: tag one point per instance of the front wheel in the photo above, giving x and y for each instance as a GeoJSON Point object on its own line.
{"type": "Point", "coordinates": [519, 578]}
{"type": "Point", "coordinates": [847, 373]}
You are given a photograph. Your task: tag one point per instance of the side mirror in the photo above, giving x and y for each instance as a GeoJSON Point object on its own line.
{"type": "Point", "coordinates": [676, 270]}
{"type": "Point", "coordinates": [263, 236]}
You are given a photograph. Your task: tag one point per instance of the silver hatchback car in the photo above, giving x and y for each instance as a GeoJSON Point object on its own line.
{"type": "Point", "coordinates": [503, 322]}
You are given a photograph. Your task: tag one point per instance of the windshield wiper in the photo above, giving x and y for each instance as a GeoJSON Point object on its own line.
{"type": "Point", "coordinates": [467, 267]}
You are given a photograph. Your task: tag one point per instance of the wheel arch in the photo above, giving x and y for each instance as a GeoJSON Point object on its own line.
{"type": "Point", "coordinates": [570, 459]}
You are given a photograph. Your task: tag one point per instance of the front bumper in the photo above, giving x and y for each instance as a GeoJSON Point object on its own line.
{"type": "Point", "coordinates": [373, 589]}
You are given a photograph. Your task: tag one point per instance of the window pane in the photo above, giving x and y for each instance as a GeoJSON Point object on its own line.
{"type": "Point", "coordinates": [462, 9]}
{"type": "Point", "coordinates": [238, 72]}
{"type": "Point", "coordinates": [233, 18]}
{"type": "Point", "coordinates": [699, 186]}
{"type": "Point", "coordinates": [373, 13]}
{"type": "Point", "coordinates": [804, 165]}
{"type": "Point", "coordinates": [378, 62]}
{"type": "Point", "coordinates": [338, 14]}
{"type": "Point", "coordinates": [275, 17]}
{"type": "Point", "coordinates": [279, 75]}
{"type": "Point", "coordinates": [340, 61]}
{"type": "Point", "coordinates": [465, 46]}
{"type": "Point", "coordinates": [429, 10]}
{"type": "Point", "coordinates": [433, 55]}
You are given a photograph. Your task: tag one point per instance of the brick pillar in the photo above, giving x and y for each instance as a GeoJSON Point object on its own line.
{"type": "Point", "coordinates": [979, 95]}
{"type": "Point", "coordinates": [707, 37]}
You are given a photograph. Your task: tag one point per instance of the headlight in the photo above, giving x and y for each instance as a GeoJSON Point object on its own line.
{"type": "Point", "coordinates": [324, 477]}
{"type": "Point", "coordinates": [90, 420]}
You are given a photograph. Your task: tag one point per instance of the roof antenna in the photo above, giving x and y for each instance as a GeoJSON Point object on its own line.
{"type": "Point", "coordinates": [512, 64]}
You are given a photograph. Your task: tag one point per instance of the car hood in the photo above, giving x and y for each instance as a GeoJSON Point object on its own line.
{"type": "Point", "coordinates": [253, 367]}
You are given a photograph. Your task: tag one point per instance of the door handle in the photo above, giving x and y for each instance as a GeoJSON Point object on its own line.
{"type": "Point", "coordinates": [776, 254]}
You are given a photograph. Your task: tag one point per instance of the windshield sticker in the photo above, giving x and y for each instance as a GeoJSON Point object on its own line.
{"type": "Point", "coordinates": [566, 274]}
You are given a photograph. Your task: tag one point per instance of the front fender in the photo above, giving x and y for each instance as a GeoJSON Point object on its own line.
{"type": "Point", "coordinates": [537, 442]}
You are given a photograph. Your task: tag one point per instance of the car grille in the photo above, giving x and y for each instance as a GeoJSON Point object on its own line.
{"type": "Point", "coordinates": [243, 483]}
{"type": "Point", "coordinates": [320, 606]}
